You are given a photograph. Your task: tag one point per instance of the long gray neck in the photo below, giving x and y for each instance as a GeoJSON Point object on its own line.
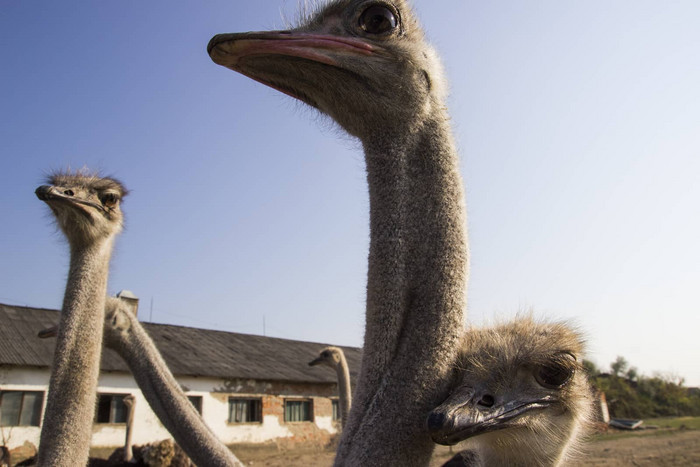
{"type": "Point", "coordinates": [67, 426]}
{"type": "Point", "coordinates": [344, 393]}
{"type": "Point", "coordinates": [164, 394]}
{"type": "Point", "coordinates": [415, 296]}
{"type": "Point", "coordinates": [128, 444]}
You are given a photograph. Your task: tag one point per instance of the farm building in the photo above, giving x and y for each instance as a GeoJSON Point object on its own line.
{"type": "Point", "coordinates": [249, 389]}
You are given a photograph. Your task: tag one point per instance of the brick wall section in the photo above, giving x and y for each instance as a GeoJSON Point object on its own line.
{"type": "Point", "coordinates": [273, 394]}
{"type": "Point", "coordinates": [281, 388]}
{"type": "Point", "coordinates": [273, 405]}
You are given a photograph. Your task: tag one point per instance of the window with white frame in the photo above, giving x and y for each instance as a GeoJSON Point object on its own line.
{"type": "Point", "coordinates": [21, 408]}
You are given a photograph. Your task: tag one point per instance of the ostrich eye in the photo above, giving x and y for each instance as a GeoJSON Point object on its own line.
{"type": "Point", "coordinates": [109, 199]}
{"type": "Point", "coordinates": [378, 20]}
{"type": "Point", "coordinates": [553, 375]}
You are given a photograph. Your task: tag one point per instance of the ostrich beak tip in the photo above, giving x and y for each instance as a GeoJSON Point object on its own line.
{"type": "Point", "coordinates": [48, 332]}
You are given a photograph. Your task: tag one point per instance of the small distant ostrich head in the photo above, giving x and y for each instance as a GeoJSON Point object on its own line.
{"type": "Point", "coordinates": [86, 206]}
{"type": "Point", "coordinates": [330, 356]}
{"type": "Point", "coordinates": [520, 384]}
{"type": "Point", "coordinates": [129, 401]}
{"type": "Point", "coordinates": [363, 63]}
{"type": "Point", "coordinates": [116, 324]}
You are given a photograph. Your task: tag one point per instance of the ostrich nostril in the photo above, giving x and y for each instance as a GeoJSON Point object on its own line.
{"type": "Point", "coordinates": [68, 192]}
{"type": "Point", "coordinates": [436, 420]}
{"type": "Point", "coordinates": [486, 400]}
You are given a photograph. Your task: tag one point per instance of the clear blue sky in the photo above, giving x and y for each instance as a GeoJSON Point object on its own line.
{"type": "Point", "coordinates": [579, 131]}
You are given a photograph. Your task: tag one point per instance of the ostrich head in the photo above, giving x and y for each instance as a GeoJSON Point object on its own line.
{"type": "Point", "coordinates": [330, 356]}
{"type": "Point", "coordinates": [364, 63]}
{"type": "Point", "coordinates": [129, 400]}
{"type": "Point", "coordinates": [86, 206]}
{"type": "Point", "coordinates": [520, 384]}
{"type": "Point", "coordinates": [117, 325]}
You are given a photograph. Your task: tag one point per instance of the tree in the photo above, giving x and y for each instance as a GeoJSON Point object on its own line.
{"type": "Point", "coordinates": [633, 395]}
{"type": "Point", "coordinates": [619, 366]}
{"type": "Point", "coordinates": [590, 368]}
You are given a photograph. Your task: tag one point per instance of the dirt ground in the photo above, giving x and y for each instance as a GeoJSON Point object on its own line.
{"type": "Point", "coordinates": [661, 448]}
{"type": "Point", "coordinates": [646, 448]}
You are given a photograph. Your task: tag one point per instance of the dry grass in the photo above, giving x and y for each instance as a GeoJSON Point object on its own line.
{"type": "Point", "coordinates": [692, 423]}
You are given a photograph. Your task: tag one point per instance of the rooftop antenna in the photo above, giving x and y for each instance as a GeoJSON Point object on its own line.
{"type": "Point", "coordinates": [150, 315]}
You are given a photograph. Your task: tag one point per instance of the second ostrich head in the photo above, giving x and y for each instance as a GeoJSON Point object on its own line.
{"type": "Point", "coordinates": [86, 206]}
{"type": "Point", "coordinates": [329, 356]}
{"type": "Point", "coordinates": [520, 389]}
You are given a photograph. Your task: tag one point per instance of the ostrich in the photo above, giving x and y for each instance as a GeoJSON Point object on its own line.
{"type": "Point", "coordinates": [130, 402]}
{"type": "Point", "coordinates": [124, 334]}
{"type": "Point", "coordinates": [87, 210]}
{"type": "Point", "coordinates": [121, 456]}
{"type": "Point", "coordinates": [5, 457]}
{"type": "Point", "coordinates": [367, 65]}
{"type": "Point", "coordinates": [520, 396]}
{"type": "Point", "coordinates": [334, 357]}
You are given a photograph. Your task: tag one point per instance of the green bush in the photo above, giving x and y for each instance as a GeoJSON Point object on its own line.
{"type": "Point", "coordinates": [630, 395]}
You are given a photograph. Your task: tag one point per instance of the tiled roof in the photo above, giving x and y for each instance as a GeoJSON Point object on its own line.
{"type": "Point", "coordinates": [187, 351]}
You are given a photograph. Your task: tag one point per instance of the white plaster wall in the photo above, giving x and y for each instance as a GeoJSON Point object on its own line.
{"type": "Point", "coordinates": [23, 379]}
{"type": "Point", "coordinates": [147, 427]}
{"type": "Point", "coordinates": [325, 423]}
{"type": "Point", "coordinates": [13, 377]}
{"type": "Point", "coordinates": [268, 430]}
{"type": "Point", "coordinates": [215, 414]}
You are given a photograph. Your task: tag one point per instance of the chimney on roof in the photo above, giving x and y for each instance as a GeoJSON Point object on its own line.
{"type": "Point", "coordinates": [128, 297]}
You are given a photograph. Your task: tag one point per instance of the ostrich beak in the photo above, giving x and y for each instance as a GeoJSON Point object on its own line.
{"type": "Point", "coordinates": [48, 332]}
{"type": "Point", "coordinates": [240, 52]}
{"type": "Point", "coordinates": [44, 192]}
{"type": "Point", "coordinates": [468, 413]}
{"type": "Point", "coordinates": [49, 194]}
{"type": "Point", "coordinates": [229, 49]}
{"type": "Point", "coordinates": [315, 361]}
